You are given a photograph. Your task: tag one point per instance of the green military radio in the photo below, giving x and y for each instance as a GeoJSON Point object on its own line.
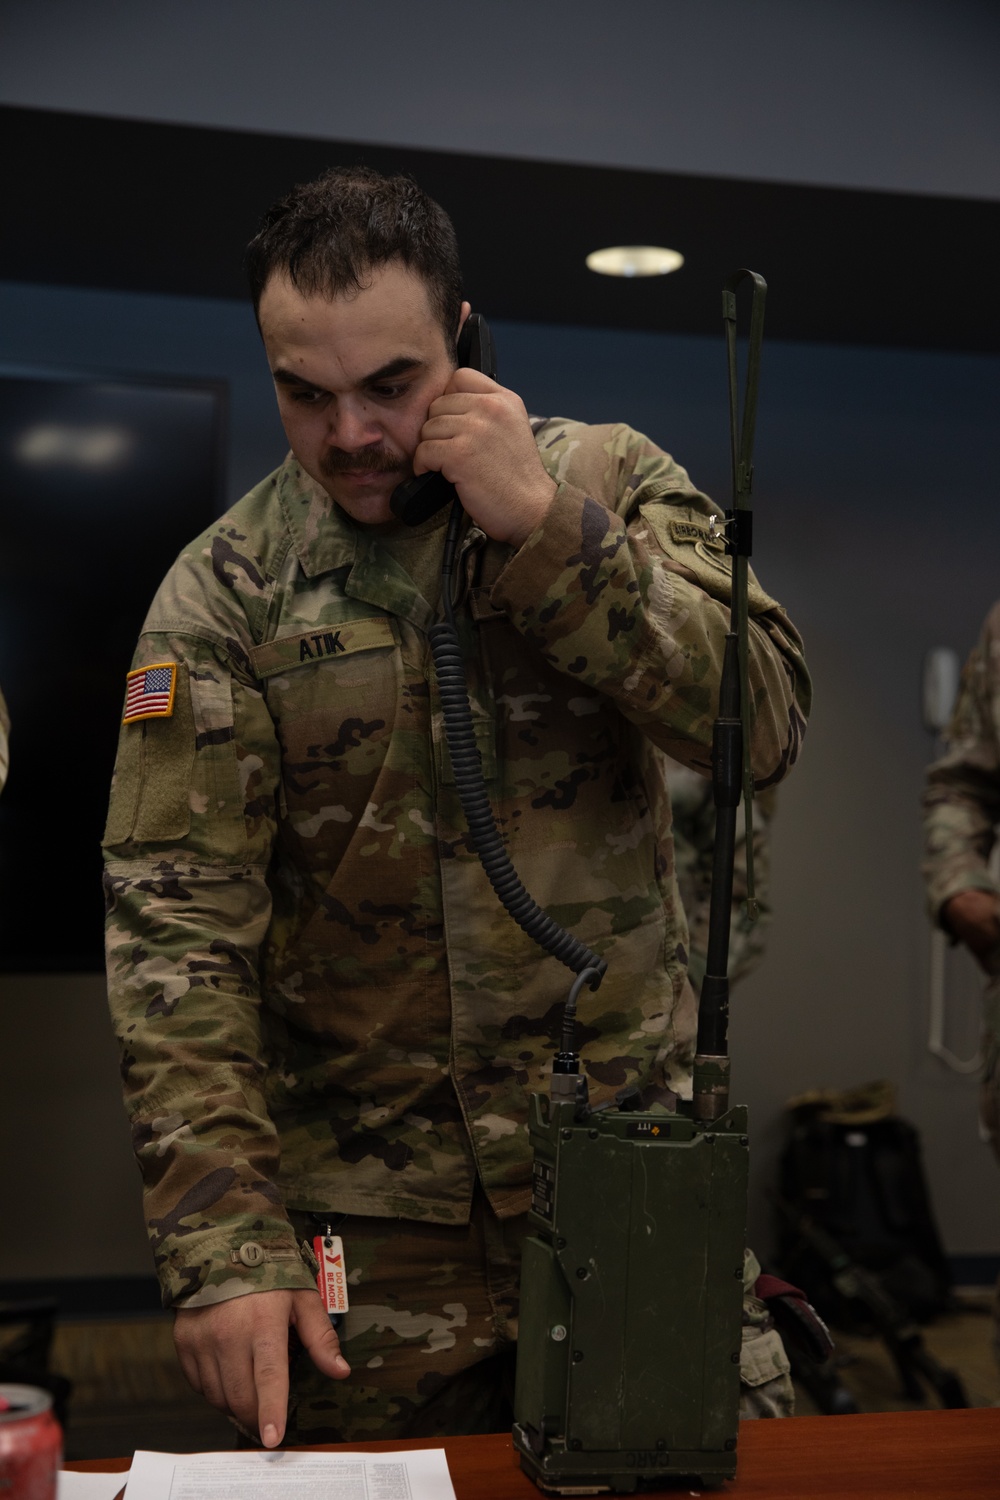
{"type": "Point", "coordinates": [631, 1299]}
{"type": "Point", "coordinates": [632, 1275]}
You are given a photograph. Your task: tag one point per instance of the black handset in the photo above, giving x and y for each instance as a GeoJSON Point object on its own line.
{"type": "Point", "coordinates": [418, 499]}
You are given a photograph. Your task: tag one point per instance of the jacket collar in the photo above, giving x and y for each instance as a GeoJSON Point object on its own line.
{"type": "Point", "coordinates": [324, 538]}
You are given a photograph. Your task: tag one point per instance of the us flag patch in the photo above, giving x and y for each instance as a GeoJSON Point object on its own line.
{"type": "Point", "coordinates": [149, 692]}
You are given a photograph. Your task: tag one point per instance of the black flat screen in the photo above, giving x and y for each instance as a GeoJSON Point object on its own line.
{"type": "Point", "coordinates": [102, 482]}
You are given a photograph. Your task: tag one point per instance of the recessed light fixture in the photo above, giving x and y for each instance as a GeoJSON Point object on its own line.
{"type": "Point", "coordinates": [635, 260]}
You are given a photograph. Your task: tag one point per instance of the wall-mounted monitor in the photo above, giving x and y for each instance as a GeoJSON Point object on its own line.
{"type": "Point", "coordinates": [102, 481]}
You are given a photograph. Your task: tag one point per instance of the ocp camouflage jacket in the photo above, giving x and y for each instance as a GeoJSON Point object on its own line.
{"type": "Point", "coordinates": [319, 1000]}
{"type": "Point", "coordinates": [962, 796]}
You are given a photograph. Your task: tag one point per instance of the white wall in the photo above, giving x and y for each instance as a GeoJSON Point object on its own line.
{"type": "Point", "coordinates": [895, 94]}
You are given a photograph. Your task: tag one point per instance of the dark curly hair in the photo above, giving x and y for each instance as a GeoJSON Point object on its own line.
{"type": "Point", "coordinates": [326, 235]}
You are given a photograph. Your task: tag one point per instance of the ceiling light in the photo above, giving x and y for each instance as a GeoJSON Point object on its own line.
{"type": "Point", "coordinates": [635, 260]}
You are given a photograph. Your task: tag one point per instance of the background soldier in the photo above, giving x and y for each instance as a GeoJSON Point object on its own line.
{"type": "Point", "coordinates": [961, 814]}
{"type": "Point", "coordinates": [326, 1018]}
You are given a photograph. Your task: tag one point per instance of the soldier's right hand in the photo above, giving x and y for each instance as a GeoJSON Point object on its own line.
{"type": "Point", "coordinates": [974, 918]}
{"type": "Point", "coordinates": [235, 1354]}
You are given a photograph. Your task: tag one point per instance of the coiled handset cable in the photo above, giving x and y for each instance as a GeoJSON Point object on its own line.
{"type": "Point", "coordinates": [414, 502]}
{"type": "Point", "coordinates": [467, 765]}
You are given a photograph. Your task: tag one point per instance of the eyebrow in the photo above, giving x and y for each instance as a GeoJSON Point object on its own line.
{"type": "Point", "coordinates": [281, 376]}
{"type": "Point", "coordinates": [399, 366]}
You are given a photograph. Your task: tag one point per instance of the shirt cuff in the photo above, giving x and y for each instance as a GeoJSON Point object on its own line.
{"type": "Point", "coordinates": [217, 1268]}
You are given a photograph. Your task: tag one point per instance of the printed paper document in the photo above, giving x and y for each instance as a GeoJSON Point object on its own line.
{"type": "Point", "coordinates": [415, 1474]}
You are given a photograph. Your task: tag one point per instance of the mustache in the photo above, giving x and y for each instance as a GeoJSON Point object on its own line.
{"type": "Point", "coordinates": [374, 460]}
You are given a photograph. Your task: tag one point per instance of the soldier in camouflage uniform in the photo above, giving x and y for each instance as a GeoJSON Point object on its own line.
{"type": "Point", "coordinates": [961, 816]}
{"type": "Point", "coordinates": [325, 1016]}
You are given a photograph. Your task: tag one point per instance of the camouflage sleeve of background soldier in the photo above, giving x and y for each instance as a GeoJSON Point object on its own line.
{"type": "Point", "coordinates": [188, 840]}
{"type": "Point", "coordinates": [962, 795]}
{"type": "Point", "coordinates": [747, 939]}
{"type": "Point", "coordinates": [620, 587]}
{"type": "Point", "coordinates": [694, 840]}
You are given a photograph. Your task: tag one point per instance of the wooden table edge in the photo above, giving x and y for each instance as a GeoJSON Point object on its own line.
{"type": "Point", "coordinates": [846, 1455]}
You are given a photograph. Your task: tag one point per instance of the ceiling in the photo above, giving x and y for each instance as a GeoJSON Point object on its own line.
{"type": "Point", "coordinates": [140, 206]}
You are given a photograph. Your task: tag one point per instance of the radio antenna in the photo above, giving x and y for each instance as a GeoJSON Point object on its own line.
{"type": "Point", "coordinates": [732, 776]}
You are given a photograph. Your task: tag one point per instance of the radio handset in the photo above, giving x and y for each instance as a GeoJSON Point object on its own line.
{"type": "Point", "coordinates": [422, 497]}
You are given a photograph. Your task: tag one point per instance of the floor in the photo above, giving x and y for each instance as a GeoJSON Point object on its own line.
{"type": "Point", "coordinates": [129, 1391]}
{"type": "Point", "coordinates": [961, 1341]}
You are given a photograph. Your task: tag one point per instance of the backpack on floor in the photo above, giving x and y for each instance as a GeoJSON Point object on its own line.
{"type": "Point", "coordinates": [854, 1167]}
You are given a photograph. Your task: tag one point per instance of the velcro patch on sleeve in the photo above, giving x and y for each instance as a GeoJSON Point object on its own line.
{"type": "Point", "coordinates": [687, 539]}
{"type": "Point", "coordinates": [149, 692]}
{"type": "Point", "coordinates": [689, 531]}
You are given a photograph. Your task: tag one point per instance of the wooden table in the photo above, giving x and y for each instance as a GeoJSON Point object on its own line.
{"type": "Point", "coordinates": [933, 1455]}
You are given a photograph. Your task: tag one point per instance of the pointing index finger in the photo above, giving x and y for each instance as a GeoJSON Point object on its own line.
{"type": "Point", "coordinates": [270, 1374]}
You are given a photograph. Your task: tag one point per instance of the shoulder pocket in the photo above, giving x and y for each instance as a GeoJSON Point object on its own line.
{"type": "Point", "coordinates": [150, 793]}
{"type": "Point", "coordinates": [177, 778]}
{"type": "Point", "coordinates": [684, 536]}
{"type": "Point", "coordinates": [762, 1356]}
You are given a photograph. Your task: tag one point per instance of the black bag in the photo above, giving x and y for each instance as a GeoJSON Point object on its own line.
{"type": "Point", "coordinates": [855, 1168]}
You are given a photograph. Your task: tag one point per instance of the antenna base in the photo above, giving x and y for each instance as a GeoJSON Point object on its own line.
{"type": "Point", "coordinates": [570, 1088]}
{"type": "Point", "coordinates": [711, 1086]}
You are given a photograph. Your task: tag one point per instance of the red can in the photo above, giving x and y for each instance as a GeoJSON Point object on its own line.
{"type": "Point", "coordinates": [30, 1444]}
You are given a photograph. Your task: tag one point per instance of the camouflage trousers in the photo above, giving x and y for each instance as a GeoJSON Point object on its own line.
{"type": "Point", "coordinates": [989, 1091]}
{"type": "Point", "coordinates": [432, 1329]}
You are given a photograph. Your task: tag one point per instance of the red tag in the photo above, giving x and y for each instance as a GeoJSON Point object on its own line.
{"type": "Point", "coordinates": [332, 1278]}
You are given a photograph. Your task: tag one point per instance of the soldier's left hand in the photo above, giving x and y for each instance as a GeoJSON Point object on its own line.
{"type": "Point", "coordinates": [974, 918]}
{"type": "Point", "coordinates": [477, 434]}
